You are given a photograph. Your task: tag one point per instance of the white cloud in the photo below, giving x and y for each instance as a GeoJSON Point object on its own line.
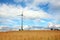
{"type": "Point", "coordinates": [50, 24]}
{"type": "Point", "coordinates": [12, 11]}
{"type": "Point", "coordinates": [57, 25]}
{"type": "Point", "coordinates": [40, 1]}
{"type": "Point", "coordinates": [54, 9]}
{"type": "Point", "coordinates": [30, 3]}
{"type": "Point", "coordinates": [7, 22]}
{"type": "Point", "coordinates": [9, 10]}
{"type": "Point", "coordinates": [34, 1]}
{"type": "Point", "coordinates": [53, 25]}
{"type": "Point", "coordinates": [55, 3]}
{"type": "Point", "coordinates": [35, 14]}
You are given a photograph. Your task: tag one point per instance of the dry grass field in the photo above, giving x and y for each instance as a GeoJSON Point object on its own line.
{"type": "Point", "coordinates": [30, 35]}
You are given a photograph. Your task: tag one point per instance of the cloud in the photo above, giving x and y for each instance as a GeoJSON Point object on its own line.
{"type": "Point", "coordinates": [31, 11]}
{"type": "Point", "coordinates": [54, 9]}
{"type": "Point", "coordinates": [32, 1]}
{"type": "Point", "coordinates": [5, 29]}
{"type": "Point", "coordinates": [53, 25]}
{"type": "Point", "coordinates": [57, 25]}
{"type": "Point", "coordinates": [29, 3]}
{"type": "Point", "coordinates": [7, 22]}
{"type": "Point", "coordinates": [35, 14]}
{"type": "Point", "coordinates": [12, 11]}
{"type": "Point", "coordinates": [50, 24]}
{"type": "Point", "coordinates": [9, 10]}
{"type": "Point", "coordinates": [55, 3]}
{"type": "Point", "coordinates": [40, 2]}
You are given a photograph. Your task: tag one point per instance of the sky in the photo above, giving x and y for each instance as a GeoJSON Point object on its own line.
{"type": "Point", "coordinates": [35, 12]}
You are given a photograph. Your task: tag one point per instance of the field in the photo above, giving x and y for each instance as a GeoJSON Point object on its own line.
{"type": "Point", "coordinates": [30, 35]}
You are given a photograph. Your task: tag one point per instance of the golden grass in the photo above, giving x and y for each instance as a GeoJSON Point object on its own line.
{"type": "Point", "coordinates": [30, 35]}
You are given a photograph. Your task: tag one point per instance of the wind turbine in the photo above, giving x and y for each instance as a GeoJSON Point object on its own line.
{"type": "Point", "coordinates": [22, 21]}
{"type": "Point", "coordinates": [21, 16]}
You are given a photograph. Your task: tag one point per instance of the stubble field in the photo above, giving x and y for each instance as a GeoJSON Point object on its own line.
{"type": "Point", "coordinates": [30, 35]}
